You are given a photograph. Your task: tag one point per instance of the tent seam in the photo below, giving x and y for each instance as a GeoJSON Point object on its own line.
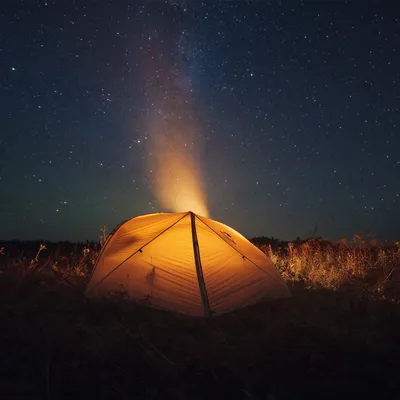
{"type": "Point", "coordinates": [137, 251]}
{"type": "Point", "coordinates": [265, 272]}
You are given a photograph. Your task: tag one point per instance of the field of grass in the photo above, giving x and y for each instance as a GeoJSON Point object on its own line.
{"type": "Point", "coordinates": [337, 336]}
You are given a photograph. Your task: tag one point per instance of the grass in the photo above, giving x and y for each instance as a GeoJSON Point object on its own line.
{"type": "Point", "coordinates": [336, 336]}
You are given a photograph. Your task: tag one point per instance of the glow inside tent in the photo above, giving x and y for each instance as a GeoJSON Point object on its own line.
{"type": "Point", "coordinates": [185, 263]}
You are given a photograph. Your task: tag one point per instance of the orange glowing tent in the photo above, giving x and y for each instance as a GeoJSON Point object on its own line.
{"type": "Point", "coordinates": [185, 263]}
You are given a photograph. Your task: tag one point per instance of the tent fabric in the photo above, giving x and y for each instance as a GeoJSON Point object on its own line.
{"type": "Point", "coordinates": [152, 258]}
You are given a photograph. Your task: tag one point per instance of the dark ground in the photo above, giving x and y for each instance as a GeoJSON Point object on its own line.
{"type": "Point", "coordinates": [318, 344]}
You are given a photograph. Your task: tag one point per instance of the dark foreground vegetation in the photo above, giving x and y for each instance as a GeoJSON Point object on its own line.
{"type": "Point", "coordinates": [337, 337]}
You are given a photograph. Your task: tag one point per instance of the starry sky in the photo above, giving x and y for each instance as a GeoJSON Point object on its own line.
{"type": "Point", "coordinates": [293, 110]}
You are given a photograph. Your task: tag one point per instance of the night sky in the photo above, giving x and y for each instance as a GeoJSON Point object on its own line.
{"type": "Point", "coordinates": [291, 111]}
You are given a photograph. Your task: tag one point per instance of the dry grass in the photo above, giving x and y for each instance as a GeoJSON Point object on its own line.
{"type": "Point", "coordinates": [321, 264]}
{"type": "Point", "coordinates": [336, 337]}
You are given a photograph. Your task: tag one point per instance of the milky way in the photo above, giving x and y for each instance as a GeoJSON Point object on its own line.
{"type": "Point", "coordinates": [174, 141]}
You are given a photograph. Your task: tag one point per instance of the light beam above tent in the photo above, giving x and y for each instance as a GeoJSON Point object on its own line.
{"type": "Point", "coordinates": [175, 142]}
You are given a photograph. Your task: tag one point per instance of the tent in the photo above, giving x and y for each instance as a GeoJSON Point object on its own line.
{"type": "Point", "coordinates": [185, 263]}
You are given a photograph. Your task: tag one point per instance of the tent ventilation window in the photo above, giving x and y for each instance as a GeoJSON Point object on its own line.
{"type": "Point", "coordinates": [228, 236]}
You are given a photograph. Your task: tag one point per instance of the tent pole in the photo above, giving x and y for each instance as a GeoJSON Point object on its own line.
{"type": "Point", "coordinates": [199, 269]}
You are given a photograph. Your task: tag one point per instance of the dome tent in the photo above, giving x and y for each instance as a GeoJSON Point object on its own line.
{"type": "Point", "coordinates": [185, 263]}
